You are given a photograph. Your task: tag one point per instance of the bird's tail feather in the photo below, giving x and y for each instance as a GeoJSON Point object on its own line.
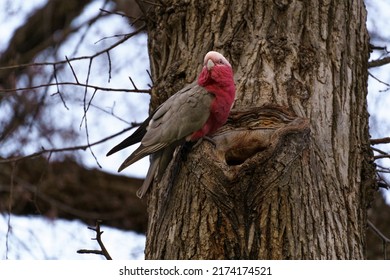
{"type": "Point", "coordinates": [132, 139]}
{"type": "Point", "coordinates": [149, 176]}
{"type": "Point", "coordinates": [158, 165]}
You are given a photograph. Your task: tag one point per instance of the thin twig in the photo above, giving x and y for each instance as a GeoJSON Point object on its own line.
{"type": "Point", "coordinates": [58, 88]}
{"type": "Point", "coordinates": [88, 251]}
{"type": "Point", "coordinates": [77, 84]}
{"type": "Point", "coordinates": [116, 13]}
{"type": "Point", "coordinates": [132, 82]}
{"type": "Point", "coordinates": [374, 47]}
{"type": "Point", "coordinates": [385, 239]}
{"type": "Point", "coordinates": [150, 76]}
{"type": "Point", "coordinates": [103, 251]}
{"type": "Point", "coordinates": [66, 149]}
{"type": "Point", "coordinates": [378, 151]}
{"type": "Point", "coordinates": [383, 171]}
{"type": "Point", "coordinates": [378, 62]}
{"type": "Point", "coordinates": [109, 66]}
{"type": "Point", "coordinates": [9, 228]}
{"type": "Point", "coordinates": [381, 156]}
{"type": "Point", "coordinates": [382, 82]}
{"type": "Point", "coordinates": [128, 36]}
{"type": "Point", "coordinates": [111, 112]}
{"type": "Point", "coordinates": [83, 119]}
{"type": "Point", "coordinates": [89, 25]}
{"type": "Point", "coordinates": [73, 72]}
{"type": "Point", "coordinates": [382, 182]}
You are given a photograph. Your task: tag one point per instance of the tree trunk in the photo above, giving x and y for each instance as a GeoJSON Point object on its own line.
{"type": "Point", "coordinates": [290, 175]}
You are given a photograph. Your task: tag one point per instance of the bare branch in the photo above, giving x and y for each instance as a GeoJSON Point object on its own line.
{"type": "Point", "coordinates": [124, 39]}
{"type": "Point", "coordinates": [131, 80]}
{"type": "Point", "coordinates": [111, 113]}
{"type": "Point", "coordinates": [109, 66]}
{"type": "Point", "coordinates": [66, 149]}
{"type": "Point", "coordinates": [378, 151]}
{"type": "Point", "coordinates": [377, 141]}
{"type": "Point", "coordinates": [10, 209]}
{"type": "Point", "coordinates": [381, 156]}
{"type": "Point", "coordinates": [378, 62]}
{"type": "Point", "coordinates": [385, 239]}
{"type": "Point", "coordinates": [2, 91]}
{"type": "Point", "coordinates": [87, 131]}
{"type": "Point", "coordinates": [382, 82]}
{"type": "Point", "coordinates": [150, 76]}
{"type": "Point", "coordinates": [85, 95]}
{"type": "Point", "coordinates": [88, 251]}
{"type": "Point", "coordinates": [383, 170]}
{"type": "Point", "coordinates": [116, 13]}
{"type": "Point", "coordinates": [71, 68]}
{"type": "Point", "coordinates": [373, 47]}
{"type": "Point", "coordinates": [103, 251]}
{"type": "Point", "coordinates": [58, 88]}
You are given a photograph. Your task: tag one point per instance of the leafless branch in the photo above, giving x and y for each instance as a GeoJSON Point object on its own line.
{"type": "Point", "coordinates": [124, 39]}
{"type": "Point", "coordinates": [381, 156]}
{"type": "Point", "coordinates": [9, 210]}
{"type": "Point", "coordinates": [58, 88]}
{"type": "Point", "coordinates": [66, 149]}
{"type": "Point", "coordinates": [150, 76]}
{"type": "Point", "coordinates": [384, 239]}
{"type": "Point", "coordinates": [76, 84]}
{"type": "Point", "coordinates": [111, 113]}
{"type": "Point", "coordinates": [132, 82]}
{"type": "Point", "coordinates": [109, 66]}
{"type": "Point", "coordinates": [383, 170]}
{"type": "Point", "coordinates": [71, 68]}
{"type": "Point", "coordinates": [381, 182]}
{"type": "Point", "coordinates": [378, 62]}
{"type": "Point", "coordinates": [380, 48]}
{"type": "Point", "coordinates": [378, 151]}
{"type": "Point", "coordinates": [377, 141]}
{"type": "Point", "coordinates": [116, 13]}
{"type": "Point", "coordinates": [103, 251]}
{"type": "Point", "coordinates": [380, 81]}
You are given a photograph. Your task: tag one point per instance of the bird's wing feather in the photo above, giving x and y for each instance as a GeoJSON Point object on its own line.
{"type": "Point", "coordinates": [139, 153]}
{"type": "Point", "coordinates": [133, 138]}
{"type": "Point", "coordinates": [179, 116]}
{"type": "Point", "coordinates": [182, 114]}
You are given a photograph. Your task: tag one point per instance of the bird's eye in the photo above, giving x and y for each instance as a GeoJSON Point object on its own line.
{"type": "Point", "coordinates": [220, 61]}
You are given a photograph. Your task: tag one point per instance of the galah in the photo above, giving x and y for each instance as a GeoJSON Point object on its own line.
{"type": "Point", "coordinates": [195, 111]}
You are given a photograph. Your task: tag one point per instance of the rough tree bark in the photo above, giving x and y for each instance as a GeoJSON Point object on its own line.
{"type": "Point", "coordinates": [291, 170]}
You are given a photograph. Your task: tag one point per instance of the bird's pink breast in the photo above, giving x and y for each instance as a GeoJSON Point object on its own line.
{"type": "Point", "coordinates": [222, 86]}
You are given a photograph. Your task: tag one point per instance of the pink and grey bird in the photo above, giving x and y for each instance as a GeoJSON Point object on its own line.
{"type": "Point", "coordinates": [197, 110]}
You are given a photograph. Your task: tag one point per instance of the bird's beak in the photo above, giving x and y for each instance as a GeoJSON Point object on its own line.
{"type": "Point", "coordinates": [210, 64]}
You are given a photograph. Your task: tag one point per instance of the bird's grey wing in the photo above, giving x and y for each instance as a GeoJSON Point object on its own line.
{"type": "Point", "coordinates": [179, 116]}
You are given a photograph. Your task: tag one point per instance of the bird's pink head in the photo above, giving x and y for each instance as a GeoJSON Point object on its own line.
{"type": "Point", "coordinates": [216, 69]}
